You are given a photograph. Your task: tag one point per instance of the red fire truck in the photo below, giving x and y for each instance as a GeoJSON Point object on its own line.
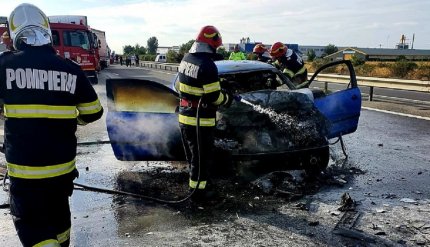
{"type": "Point", "coordinates": [73, 39]}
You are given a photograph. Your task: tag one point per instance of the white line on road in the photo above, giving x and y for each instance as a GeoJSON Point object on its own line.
{"type": "Point", "coordinates": [395, 113]}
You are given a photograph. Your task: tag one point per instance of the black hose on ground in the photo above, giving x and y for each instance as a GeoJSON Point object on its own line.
{"type": "Point", "coordinates": [84, 187]}
{"type": "Point", "coordinates": [118, 192]}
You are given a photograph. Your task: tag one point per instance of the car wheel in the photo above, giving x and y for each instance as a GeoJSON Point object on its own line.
{"type": "Point", "coordinates": [316, 162]}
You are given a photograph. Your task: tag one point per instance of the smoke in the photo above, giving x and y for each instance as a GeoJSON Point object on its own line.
{"type": "Point", "coordinates": [153, 135]}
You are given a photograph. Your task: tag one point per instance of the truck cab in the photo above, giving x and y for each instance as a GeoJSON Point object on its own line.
{"type": "Point", "coordinates": [75, 41]}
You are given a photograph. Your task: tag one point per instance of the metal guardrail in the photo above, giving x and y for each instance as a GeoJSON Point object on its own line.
{"type": "Point", "coordinates": [163, 66]}
{"type": "Point", "coordinates": [372, 82]}
{"type": "Point", "coordinates": [412, 85]}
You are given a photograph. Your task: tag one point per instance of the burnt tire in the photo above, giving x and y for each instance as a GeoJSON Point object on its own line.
{"type": "Point", "coordinates": [316, 161]}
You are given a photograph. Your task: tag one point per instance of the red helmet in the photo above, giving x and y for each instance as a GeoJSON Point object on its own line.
{"type": "Point", "coordinates": [278, 49]}
{"type": "Point", "coordinates": [210, 35]}
{"type": "Point", "coordinates": [259, 48]}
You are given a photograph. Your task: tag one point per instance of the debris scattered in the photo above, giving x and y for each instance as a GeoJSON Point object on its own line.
{"type": "Point", "coordinates": [389, 196]}
{"type": "Point", "coordinates": [301, 206]}
{"type": "Point", "coordinates": [313, 223]}
{"type": "Point", "coordinates": [408, 200]}
{"type": "Point", "coordinates": [348, 204]}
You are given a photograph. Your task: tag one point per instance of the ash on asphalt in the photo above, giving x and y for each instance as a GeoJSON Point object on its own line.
{"type": "Point", "coordinates": [248, 187]}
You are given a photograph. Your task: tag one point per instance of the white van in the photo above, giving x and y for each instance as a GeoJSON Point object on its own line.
{"type": "Point", "coordinates": [161, 58]}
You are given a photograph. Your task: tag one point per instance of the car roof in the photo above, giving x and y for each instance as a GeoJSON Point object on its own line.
{"type": "Point", "coordinates": [235, 66]}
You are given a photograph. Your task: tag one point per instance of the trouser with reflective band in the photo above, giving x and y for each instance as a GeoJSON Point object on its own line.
{"type": "Point", "coordinates": [41, 213]}
{"type": "Point", "coordinates": [189, 139]}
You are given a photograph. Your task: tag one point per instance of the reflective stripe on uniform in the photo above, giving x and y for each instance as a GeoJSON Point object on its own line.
{"type": "Point", "coordinates": [40, 111]}
{"type": "Point", "coordinates": [198, 91]}
{"type": "Point", "coordinates": [39, 172]}
{"type": "Point", "coordinates": [201, 184]}
{"type": "Point", "coordinates": [63, 237]}
{"type": "Point", "coordinates": [212, 87]}
{"type": "Point", "coordinates": [301, 71]}
{"type": "Point", "coordinates": [208, 122]}
{"type": "Point", "coordinates": [220, 99]}
{"type": "Point", "coordinates": [48, 243]}
{"type": "Point", "coordinates": [288, 72]}
{"type": "Point", "coordinates": [89, 108]}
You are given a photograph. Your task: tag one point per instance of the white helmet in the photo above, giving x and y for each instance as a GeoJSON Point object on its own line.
{"type": "Point", "coordinates": [28, 24]}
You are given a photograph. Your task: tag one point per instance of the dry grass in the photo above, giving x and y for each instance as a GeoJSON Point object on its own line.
{"type": "Point", "coordinates": [380, 69]}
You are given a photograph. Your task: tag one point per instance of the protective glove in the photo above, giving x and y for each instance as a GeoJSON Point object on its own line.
{"type": "Point", "coordinates": [230, 98]}
{"type": "Point", "coordinates": [237, 97]}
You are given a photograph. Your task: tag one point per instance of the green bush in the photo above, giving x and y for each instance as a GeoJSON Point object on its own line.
{"type": "Point", "coordinates": [357, 60]}
{"type": "Point", "coordinates": [402, 68]}
{"type": "Point", "coordinates": [172, 57]}
{"type": "Point", "coordinates": [148, 57]}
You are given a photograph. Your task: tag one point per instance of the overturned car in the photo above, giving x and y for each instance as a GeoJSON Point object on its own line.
{"type": "Point", "coordinates": [275, 122]}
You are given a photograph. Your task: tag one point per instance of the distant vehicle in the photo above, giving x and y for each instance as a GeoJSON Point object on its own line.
{"type": "Point", "coordinates": [104, 51]}
{"type": "Point", "coordinates": [72, 38]}
{"type": "Point", "coordinates": [161, 58]}
{"type": "Point", "coordinates": [142, 119]}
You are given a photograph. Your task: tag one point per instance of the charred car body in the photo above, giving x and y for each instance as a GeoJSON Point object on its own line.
{"type": "Point", "coordinates": [274, 121]}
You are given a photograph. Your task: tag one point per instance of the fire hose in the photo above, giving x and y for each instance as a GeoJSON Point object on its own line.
{"type": "Point", "coordinates": [84, 187]}
{"type": "Point", "coordinates": [118, 192]}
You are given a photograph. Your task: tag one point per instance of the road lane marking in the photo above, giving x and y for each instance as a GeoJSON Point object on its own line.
{"type": "Point", "coordinates": [160, 71]}
{"type": "Point", "coordinates": [396, 113]}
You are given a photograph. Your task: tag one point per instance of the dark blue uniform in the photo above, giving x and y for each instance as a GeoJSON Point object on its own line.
{"type": "Point", "coordinates": [198, 79]}
{"type": "Point", "coordinates": [292, 65]}
{"type": "Point", "coordinates": [45, 97]}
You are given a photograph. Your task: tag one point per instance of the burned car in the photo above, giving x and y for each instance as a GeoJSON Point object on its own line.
{"type": "Point", "coordinates": [275, 122]}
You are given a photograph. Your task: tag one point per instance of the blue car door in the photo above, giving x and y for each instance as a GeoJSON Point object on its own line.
{"type": "Point", "coordinates": [342, 107]}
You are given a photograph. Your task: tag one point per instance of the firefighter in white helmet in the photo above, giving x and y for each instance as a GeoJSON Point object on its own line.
{"type": "Point", "coordinates": [45, 98]}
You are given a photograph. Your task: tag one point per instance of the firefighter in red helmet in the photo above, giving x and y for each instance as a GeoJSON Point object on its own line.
{"type": "Point", "coordinates": [289, 62]}
{"type": "Point", "coordinates": [261, 51]}
{"type": "Point", "coordinates": [200, 95]}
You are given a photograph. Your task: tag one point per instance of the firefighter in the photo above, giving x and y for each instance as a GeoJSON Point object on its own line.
{"type": "Point", "coordinates": [5, 39]}
{"type": "Point", "coordinates": [261, 51]}
{"type": "Point", "coordinates": [289, 62]}
{"type": "Point", "coordinates": [237, 54]}
{"type": "Point", "coordinates": [199, 81]}
{"type": "Point", "coordinates": [45, 98]}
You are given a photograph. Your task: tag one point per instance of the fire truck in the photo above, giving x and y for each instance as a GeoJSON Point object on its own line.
{"type": "Point", "coordinates": [104, 51]}
{"type": "Point", "coordinates": [72, 38]}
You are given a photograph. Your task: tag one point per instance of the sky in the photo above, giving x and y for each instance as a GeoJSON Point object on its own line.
{"type": "Point", "coordinates": [359, 23]}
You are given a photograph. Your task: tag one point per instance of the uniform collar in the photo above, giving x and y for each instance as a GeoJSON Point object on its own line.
{"type": "Point", "coordinates": [199, 47]}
